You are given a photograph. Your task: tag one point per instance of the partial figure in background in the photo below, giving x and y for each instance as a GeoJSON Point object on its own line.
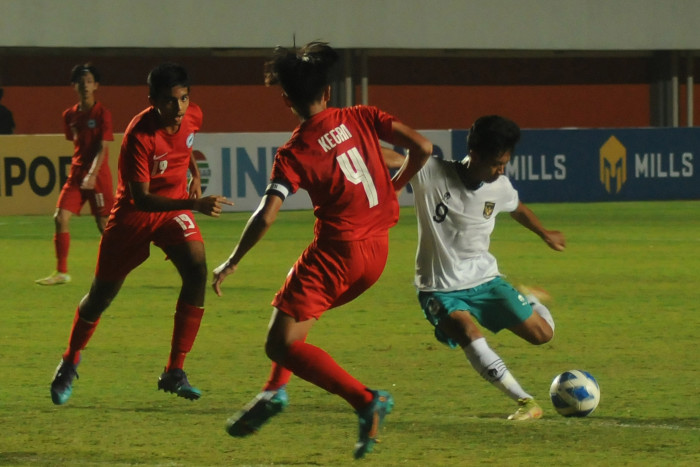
{"type": "Point", "coordinates": [154, 204]}
{"type": "Point", "coordinates": [457, 278]}
{"type": "Point", "coordinates": [335, 155]}
{"type": "Point", "coordinates": [88, 124]}
{"type": "Point", "coordinates": [7, 121]}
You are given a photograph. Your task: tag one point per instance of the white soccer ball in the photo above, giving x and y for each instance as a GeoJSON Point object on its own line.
{"type": "Point", "coordinates": [574, 393]}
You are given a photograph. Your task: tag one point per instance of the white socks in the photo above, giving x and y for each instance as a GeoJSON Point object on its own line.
{"type": "Point", "coordinates": [490, 366]}
{"type": "Point", "coordinates": [541, 310]}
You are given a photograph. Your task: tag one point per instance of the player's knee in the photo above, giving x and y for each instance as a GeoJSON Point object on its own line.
{"type": "Point", "coordinates": [275, 350]}
{"type": "Point", "coordinates": [195, 274]}
{"type": "Point", "coordinates": [101, 223]}
{"type": "Point", "coordinates": [543, 335]}
{"type": "Point", "coordinates": [200, 270]}
{"type": "Point", "coordinates": [61, 219]}
{"type": "Point", "coordinates": [92, 307]}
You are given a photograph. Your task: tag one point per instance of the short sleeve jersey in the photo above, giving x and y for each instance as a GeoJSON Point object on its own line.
{"type": "Point", "coordinates": [336, 157]}
{"type": "Point", "coordinates": [87, 130]}
{"type": "Point", "coordinates": [455, 226]}
{"type": "Point", "coordinates": [150, 155]}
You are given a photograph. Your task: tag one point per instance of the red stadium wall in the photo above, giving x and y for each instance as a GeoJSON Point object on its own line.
{"type": "Point", "coordinates": [37, 109]}
{"type": "Point", "coordinates": [585, 106]}
{"type": "Point", "coordinates": [425, 92]}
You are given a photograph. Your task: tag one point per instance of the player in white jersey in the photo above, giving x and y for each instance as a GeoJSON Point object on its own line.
{"type": "Point", "coordinates": [457, 278]}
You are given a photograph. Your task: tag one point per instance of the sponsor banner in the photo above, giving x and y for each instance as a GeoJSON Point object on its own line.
{"type": "Point", "coordinates": [238, 165]}
{"type": "Point", "coordinates": [567, 165]}
{"type": "Point", "coordinates": [33, 168]}
{"type": "Point", "coordinates": [603, 164]}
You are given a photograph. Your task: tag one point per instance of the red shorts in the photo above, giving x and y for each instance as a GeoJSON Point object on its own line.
{"type": "Point", "coordinates": [126, 241]}
{"type": "Point", "coordinates": [329, 274]}
{"type": "Point", "coordinates": [101, 199]}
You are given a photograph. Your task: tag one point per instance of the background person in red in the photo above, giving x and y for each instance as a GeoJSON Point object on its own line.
{"type": "Point", "coordinates": [153, 205]}
{"type": "Point", "coordinates": [89, 125]}
{"type": "Point", "coordinates": [335, 155]}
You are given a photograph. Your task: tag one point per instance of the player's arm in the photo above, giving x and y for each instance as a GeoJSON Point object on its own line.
{"type": "Point", "coordinates": [392, 159]}
{"type": "Point", "coordinates": [88, 182]}
{"type": "Point", "coordinates": [258, 224]}
{"type": "Point", "coordinates": [146, 201]}
{"type": "Point", "coordinates": [524, 216]}
{"type": "Point", "coordinates": [419, 150]}
{"type": "Point", "coordinates": [195, 186]}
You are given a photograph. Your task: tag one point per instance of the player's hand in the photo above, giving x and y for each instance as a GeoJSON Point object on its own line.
{"type": "Point", "coordinates": [195, 188]}
{"type": "Point", "coordinates": [211, 205]}
{"type": "Point", "coordinates": [555, 240]}
{"type": "Point", "coordinates": [88, 182]}
{"type": "Point", "coordinates": [220, 273]}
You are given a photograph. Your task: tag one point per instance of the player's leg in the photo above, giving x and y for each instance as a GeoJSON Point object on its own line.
{"type": "Point", "coordinates": [501, 306]}
{"type": "Point", "coordinates": [62, 238]}
{"type": "Point", "coordinates": [285, 345]}
{"type": "Point", "coordinates": [538, 328]}
{"type": "Point", "coordinates": [362, 264]}
{"type": "Point", "coordinates": [102, 198]}
{"type": "Point", "coordinates": [122, 248]}
{"type": "Point", "coordinates": [534, 329]}
{"type": "Point", "coordinates": [85, 321]}
{"type": "Point", "coordinates": [456, 327]}
{"type": "Point", "coordinates": [61, 241]}
{"type": "Point", "coordinates": [460, 328]}
{"type": "Point", "coordinates": [190, 261]}
{"type": "Point", "coordinates": [347, 269]}
{"type": "Point", "coordinates": [101, 222]}
{"type": "Point", "coordinates": [273, 399]}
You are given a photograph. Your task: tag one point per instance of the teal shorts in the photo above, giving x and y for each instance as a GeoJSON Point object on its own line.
{"type": "Point", "coordinates": [495, 305]}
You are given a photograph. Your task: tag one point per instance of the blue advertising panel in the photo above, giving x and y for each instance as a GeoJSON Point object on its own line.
{"type": "Point", "coordinates": [603, 164]}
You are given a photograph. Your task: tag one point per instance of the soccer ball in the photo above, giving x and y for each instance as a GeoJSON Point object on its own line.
{"type": "Point", "coordinates": [574, 393]}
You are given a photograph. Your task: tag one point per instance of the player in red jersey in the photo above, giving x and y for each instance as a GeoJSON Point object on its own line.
{"type": "Point", "coordinates": [153, 204]}
{"type": "Point", "coordinates": [335, 155]}
{"type": "Point", "coordinates": [89, 125]}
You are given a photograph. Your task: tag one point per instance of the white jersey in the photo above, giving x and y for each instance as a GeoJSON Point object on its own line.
{"type": "Point", "coordinates": [455, 225]}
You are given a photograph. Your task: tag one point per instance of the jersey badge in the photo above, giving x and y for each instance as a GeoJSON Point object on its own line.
{"type": "Point", "coordinates": [190, 140]}
{"type": "Point", "coordinates": [488, 209]}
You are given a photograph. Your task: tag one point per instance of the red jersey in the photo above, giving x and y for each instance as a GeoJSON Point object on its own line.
{"type": "Point", "coordinates": [336, 157]}
{"type": "Point", "coordinates": [87, 130]}
{"type": "Point", "coordinates": [150, 155]}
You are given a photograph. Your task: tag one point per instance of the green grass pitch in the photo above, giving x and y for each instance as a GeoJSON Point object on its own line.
{"type": "Point", "coordinates": [626, 304]}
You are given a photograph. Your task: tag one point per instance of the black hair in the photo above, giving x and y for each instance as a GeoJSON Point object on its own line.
{"type": "Point", "coordinates": [493, 135]}
{"type": "Point", "coordinates": [2, 93]}
{"type": "Point", "coordinates": [164, 77]}
{"type": "Point", "coordinates": [304, 74]}
{"type": "Point", "coordinates": [79, 70]}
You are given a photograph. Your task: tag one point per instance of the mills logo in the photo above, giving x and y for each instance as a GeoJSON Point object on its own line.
{"type": "Point", "coordinates": [204, 170]}
{"type": "Point", "coordinates": [613, 165]}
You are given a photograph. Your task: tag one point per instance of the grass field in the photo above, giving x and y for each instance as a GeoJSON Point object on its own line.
{"type": "Point", "coordinates": [626, 302]}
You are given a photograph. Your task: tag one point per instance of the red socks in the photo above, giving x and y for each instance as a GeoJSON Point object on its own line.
{"type": "Point", "coordinates": [187, 320]}
{"type": "Point", "coordinates": [62, 244]}
{"type": "Point", "coordinates": [279, 376]}
{"type": "Point", "coordinates": [79, 336]}
{"type": "Point", "coordinates": [316, 366]}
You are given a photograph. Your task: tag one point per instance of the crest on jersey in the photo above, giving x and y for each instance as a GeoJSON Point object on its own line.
{"type": "Point", "coordinates": [488, 209]}
{"type": "Point", "coordinates": [190, 140]}
{"type": "Point", "coordinates": [91, 123]}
